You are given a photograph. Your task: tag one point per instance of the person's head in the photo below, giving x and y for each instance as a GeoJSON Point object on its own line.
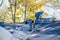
{"type": "Point", "coordinates": [40, 13]}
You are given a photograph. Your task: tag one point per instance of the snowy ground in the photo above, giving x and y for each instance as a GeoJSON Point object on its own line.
{"type": "Point", "coordinates": [47, 31]}
{"type": "Point", "coordinates": [4, 34]}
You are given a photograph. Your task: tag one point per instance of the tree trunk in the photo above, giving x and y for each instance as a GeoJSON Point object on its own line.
{"type": "Point", "coordinates": [25, 11]}
{"type": "Point", "coordinates": [14, 12]}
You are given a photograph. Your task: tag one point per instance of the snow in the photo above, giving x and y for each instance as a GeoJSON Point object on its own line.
{"type": "Point", "coordinates": [22, 33]}
{"type": "Point", "coordinates": [4, 34]}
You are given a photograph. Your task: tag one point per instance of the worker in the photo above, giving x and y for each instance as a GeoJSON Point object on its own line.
{"type": "Point", "coordinates": [37, 16]}
{"type": "Point", "coordinates": [29, 21]}
{"type": "Point", "coordinates": [30, 24]}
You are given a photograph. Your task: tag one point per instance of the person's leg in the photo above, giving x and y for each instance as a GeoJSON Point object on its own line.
{"type": "Point", "coordinates": [36, 21]}
{"type": "Point", "coordinates": [30, 25]}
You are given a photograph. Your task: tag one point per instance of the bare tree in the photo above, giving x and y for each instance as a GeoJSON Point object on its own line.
{"type": "Point", "coordinates": [13, 11]}
{"type": "Point", "coordinates": [1, 2]}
